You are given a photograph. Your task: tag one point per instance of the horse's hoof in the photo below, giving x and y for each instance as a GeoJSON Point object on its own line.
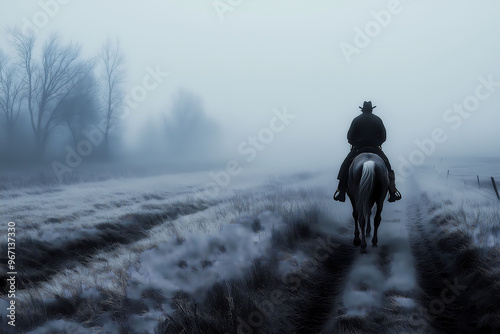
{"type": "Point", "coordinates": [363, 251]}
{"type": "Point", "coordinates": [356, 242]}
{"type": "Point", "coordinates": [374, 244]}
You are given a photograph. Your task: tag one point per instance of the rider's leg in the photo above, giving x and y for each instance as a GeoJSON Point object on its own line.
{"type": "Point", "coordinates": [394, 194]}
{"type": "Point", "coordinates": [343, 176]}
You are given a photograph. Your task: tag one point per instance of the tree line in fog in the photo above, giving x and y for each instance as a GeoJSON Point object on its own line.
{"type": "Point", "coordinates": [53, 100]}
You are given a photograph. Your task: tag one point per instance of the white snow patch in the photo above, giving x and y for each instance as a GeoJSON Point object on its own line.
{"type": "Point", "coordinates": [61, 326]}
{"type": "Point", "coordinates": [404, 302]}
{"type": "Point", "coordinates": [364, 289]}
{"type": "Point", "coordinates": [202, 260]}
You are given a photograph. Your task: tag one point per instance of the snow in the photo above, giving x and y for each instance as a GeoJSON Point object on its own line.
{"type": "Point", "coordinates": [192, 252]}
{"type": "Point", "coordinates": [60, 326]}
{"type": "Point", "coordinates": [387, 269]}
{"type": "Point", "coordinates": [172, 267]}
{"type": "Point", "coordinates": [405, 302]}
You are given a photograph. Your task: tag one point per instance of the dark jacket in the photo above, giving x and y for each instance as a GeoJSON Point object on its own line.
{"type": "Point", "coordinates": [367, 130]}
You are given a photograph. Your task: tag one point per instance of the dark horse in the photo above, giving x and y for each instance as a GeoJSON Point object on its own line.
{"type": "Point", "coordinates": [367, 185]}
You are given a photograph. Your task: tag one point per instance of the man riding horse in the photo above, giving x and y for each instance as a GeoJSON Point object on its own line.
{"type": "Point", "coordinates": [366, 134]}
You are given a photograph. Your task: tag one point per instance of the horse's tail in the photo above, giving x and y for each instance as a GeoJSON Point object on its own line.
{"type": "Point", "coordinates": [366, 188]}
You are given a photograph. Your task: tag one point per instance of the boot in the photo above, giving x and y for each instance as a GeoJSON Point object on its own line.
{"type": "Point", "coordinates": [340, 193]}
{"type": "Point", "coordinates": [394, 194]}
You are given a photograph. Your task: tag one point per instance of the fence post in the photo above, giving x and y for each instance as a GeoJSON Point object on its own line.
{"type": "Point", "coordinates": [495, 187]}
{"type": "Point", "coordinates": [478, 184]}
{"type": "Point", "coordinates": [448, 174]}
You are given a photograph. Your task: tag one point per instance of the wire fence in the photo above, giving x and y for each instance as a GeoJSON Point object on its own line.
{"type": "Point", "coordinates": [485, 185]}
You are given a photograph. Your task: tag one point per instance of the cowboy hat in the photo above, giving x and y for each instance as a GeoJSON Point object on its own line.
{"type": "Point", "coordinates": [367, 106]}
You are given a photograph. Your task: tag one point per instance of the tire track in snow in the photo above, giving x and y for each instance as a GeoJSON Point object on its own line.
{"type": "Point", "coordinates": [41, 260]}
{"type": "Point", "coordinates": [381, 290]}
{"type": "Point", "coordinates": [460, 281]}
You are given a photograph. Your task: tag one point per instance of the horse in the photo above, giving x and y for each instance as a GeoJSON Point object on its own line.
{"type": "Point", "coordinates": [367, 185]}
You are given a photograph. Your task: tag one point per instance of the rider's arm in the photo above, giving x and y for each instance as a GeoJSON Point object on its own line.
{"type": "Point", "coordinates": [351, 134]}
{"type": "Point", "coordinates": [383, 132]}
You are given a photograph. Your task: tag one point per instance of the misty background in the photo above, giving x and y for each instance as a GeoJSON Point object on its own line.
{"type": "Point", "coordinates": [230, 66]}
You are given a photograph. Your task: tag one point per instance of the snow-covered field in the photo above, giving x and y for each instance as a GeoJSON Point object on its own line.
{"type": "Point", "coordinates": [267, 254]}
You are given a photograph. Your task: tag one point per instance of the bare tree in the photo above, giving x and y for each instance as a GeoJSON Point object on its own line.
{"type": "Point", "coordinates": [79, 110]}
{"type": "Point", "coordinates": [190, 131]}
{"type": "Point", "coordinates": [11, 96]}
{"type": "Point", "coordinates": [48, 80]}
{"type": "Point", "coordinates": [113, 77]}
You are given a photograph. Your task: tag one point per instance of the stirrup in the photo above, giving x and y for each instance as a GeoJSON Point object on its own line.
{"type": "Point", "coordinates": [338, 196]}
{"type": "Point", "coordinates": [395, 197]}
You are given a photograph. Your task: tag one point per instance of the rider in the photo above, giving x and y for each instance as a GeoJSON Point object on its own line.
{"type": "Point", "coordinates": [366, 134]}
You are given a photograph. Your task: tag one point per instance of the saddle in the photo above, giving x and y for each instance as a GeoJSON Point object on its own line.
{"type": "Point", "coordinates": [368, 149]}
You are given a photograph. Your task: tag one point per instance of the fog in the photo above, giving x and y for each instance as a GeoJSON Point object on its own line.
{"type": "Point", "coordinates": [245, 64]}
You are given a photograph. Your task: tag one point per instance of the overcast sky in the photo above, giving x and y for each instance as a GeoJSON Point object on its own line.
{"type": "Point", "coordinates": [255, 55]}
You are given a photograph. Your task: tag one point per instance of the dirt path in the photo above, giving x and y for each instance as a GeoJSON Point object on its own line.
{"type": "Point", "coordinates": [381, 293]}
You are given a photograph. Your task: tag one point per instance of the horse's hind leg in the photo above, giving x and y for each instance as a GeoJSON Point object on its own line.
{"type": "Point", "coordinates": [376, 223]}
{"type": "Point", "coordinates": [362, 223]}
{"type": "Point", "coordinates": [368, 227]}
{"type": "Point", "coordinates": [357, 241]}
